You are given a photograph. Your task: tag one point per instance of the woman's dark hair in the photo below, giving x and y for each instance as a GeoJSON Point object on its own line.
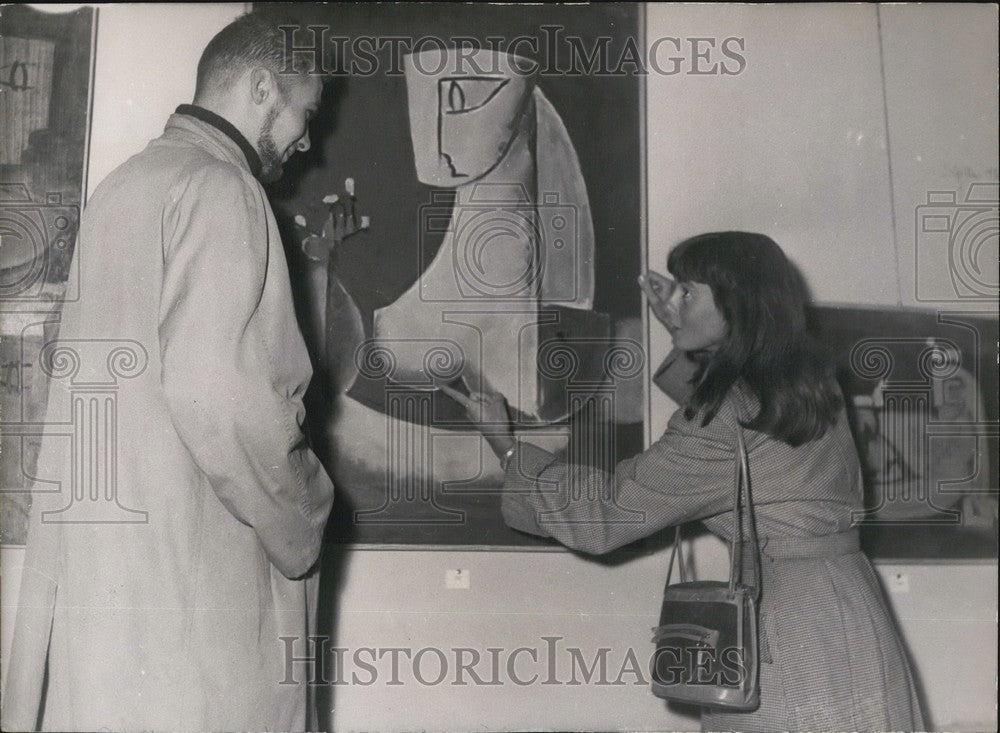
{"type": "Point", "coordinates": [763, 299]}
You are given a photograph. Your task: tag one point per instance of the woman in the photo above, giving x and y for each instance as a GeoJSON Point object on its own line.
{"type": "Point", "coordinates": [831, 658]}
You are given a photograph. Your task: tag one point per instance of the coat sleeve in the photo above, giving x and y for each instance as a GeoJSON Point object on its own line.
{"type": "Point", "coordinates": [687, 474]}
{"type": "Point", "coordinates": [232, 398]}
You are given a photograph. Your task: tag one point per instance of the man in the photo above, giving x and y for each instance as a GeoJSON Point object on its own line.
{"type": "Point", "coordinates": [179, 604]}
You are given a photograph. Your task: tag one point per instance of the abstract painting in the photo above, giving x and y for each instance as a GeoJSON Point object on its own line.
{"type": "Point", "coordinates": [501, 247]}
{"type": "Point", "coordinates": [922, 398]}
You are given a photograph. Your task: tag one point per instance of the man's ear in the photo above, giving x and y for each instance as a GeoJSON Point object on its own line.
{"type": "Point", "coordinates": [262, 83]}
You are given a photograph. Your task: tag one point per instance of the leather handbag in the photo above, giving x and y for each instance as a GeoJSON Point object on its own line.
{"type": "Point", "coordinates": [706, 643]}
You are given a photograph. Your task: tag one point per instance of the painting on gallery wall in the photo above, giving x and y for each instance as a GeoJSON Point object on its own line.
{"type": "Point", "coordinates": [46, 71]}
{"type": "Point", "coordinates": [491, 191]}
{"type": "Point", "coordinates": [921, 389]}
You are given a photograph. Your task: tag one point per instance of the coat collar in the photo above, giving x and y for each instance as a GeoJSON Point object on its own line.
{"type": "Point", "coordinates": [218, 131]}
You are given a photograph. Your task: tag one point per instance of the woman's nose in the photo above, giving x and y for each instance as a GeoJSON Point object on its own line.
{"type": "Point", "coordinates": [303, 144]}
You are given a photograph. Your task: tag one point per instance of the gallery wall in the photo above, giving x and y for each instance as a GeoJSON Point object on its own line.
{"type": "Point", "coordinates": [147, 56]}
{"type": "Point", "coordinates": [739, 151]}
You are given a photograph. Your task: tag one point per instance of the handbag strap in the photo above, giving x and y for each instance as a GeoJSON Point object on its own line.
{"type": "Point", "coordinates": [677, 551]}
{"type": "Point", "coordinates": [741, 486]}
{"type": "Point", "coordinates": [741, 490]}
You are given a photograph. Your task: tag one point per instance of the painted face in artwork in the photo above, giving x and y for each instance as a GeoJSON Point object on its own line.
{"type": "Point", "coordinates": [465, 110]}
{"type": "Point", "coordinates": [696, 323]}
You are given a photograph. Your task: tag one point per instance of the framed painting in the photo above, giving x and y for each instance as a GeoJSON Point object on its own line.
{"type": "Point", "coordinates": [921, 388]}
{"type": "Point", "coordinates": [46, 72]}
{"type": "Point", "coordinates": [488, 162]}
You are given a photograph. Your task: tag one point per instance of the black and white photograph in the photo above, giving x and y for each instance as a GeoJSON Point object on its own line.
{"type": "Point", "coordinates": [460, 367]}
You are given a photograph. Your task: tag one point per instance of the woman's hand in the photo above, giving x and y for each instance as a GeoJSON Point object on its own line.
{"type": "Point", "coordinates": [658, 289]}
{"type": "Point", "coordinates": [487, 410]}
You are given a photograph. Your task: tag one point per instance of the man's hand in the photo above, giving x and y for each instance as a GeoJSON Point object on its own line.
{"type": "Point", "coordinates": [342, 222]}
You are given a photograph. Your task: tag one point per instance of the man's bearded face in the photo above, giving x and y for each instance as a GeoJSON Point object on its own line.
{"type": "Point", "coordinates": [270, 157]}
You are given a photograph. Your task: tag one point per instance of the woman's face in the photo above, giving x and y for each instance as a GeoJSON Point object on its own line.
{"type": "Point", "coordinates": [696, 323]}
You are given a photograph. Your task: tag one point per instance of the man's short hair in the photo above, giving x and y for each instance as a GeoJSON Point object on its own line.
{"type": "Point", "coordinates": [250, 41]}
